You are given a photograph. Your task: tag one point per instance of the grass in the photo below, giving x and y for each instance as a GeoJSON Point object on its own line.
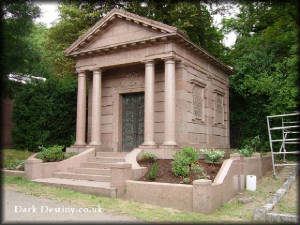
{"type": "Point", "coordinates": [233, 211]}
{"type": "Point", "coordinates": [289, 203]}
{"type": "Point", "coordinates": [11, 155]}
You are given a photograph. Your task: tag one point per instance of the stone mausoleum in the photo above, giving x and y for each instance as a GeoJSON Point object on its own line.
{"type": "Point", "coordinates": [144, 84]}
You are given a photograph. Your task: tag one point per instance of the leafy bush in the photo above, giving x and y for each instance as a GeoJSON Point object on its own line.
{"type": "Point", "coordinates": [150, 156]}
{"type": "Point", "coordinates": [44, 114]}
{"type": "Point", "coordinates": [51, 154]}
{"type": "Point", "coordinates": [186, 180]}
{"type": "Point", "coordinates": [215, 155]}
{"type": "Point", "coordinates": [203, 175]}
{"type": "Point", "coordinates": [183, 160]}
{"type": "Point", "coordinates": [247, 151]}
{"type": "Point", "coordinates": [196, 169]}
{"type": "Point", "coordinates": [191, 153]}
{"type": "Point", "coordinates": [153, 173]}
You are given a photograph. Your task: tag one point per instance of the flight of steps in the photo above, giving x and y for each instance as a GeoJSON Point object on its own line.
{"type": "Point", "coordinates": [93, 176]}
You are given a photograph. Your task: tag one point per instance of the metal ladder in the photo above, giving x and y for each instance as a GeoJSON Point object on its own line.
{"type": "Point", "coordinates": [288, 128]}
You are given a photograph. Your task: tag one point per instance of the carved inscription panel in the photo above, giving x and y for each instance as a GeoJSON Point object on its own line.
{"type": "Point", "coordinates": [219, 109]}
{"type": "Point", "coordinates": [198, 101]}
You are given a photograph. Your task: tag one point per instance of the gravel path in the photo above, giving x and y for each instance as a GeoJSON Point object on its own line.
{"type": "Point", "coordinates": [26, 208]}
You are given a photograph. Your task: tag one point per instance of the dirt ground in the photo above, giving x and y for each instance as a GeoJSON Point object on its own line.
{"type": "Point", "coordinates": [165, 174]}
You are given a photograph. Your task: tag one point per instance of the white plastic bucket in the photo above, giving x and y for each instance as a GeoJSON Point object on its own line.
{"type": "Point", "coordinates": [251, 183]}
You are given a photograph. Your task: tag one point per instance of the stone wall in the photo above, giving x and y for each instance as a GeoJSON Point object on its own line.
{"type": "Point", "coordinates": [203, 196]}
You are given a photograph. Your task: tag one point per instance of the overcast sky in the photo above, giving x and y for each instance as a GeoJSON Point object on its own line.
{"type": "Point", "coordinates": [49, 16]}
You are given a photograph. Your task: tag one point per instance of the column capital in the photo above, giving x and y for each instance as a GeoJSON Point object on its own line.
{"type": "Point", "coordinates": [97, 69]}
{"type": "Point", "coordinates": [80, 71]}
{"type": "Point", "coordinates": [169, 59]}
{"type": "Point", "coordinates": [148, 61]}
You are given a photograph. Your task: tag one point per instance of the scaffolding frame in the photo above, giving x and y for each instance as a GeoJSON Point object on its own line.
{"type": "Point", "coordinates": [288, 128]}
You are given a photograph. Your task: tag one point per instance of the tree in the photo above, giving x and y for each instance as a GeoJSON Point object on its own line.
{"type": "Point", "coordinates": [265, 58]}
{"type": "Point", "coordinates": [45, 114]}
{"type": "Point", "coordinates": [17, 53]}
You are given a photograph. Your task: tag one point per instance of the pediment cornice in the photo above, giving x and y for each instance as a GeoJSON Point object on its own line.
{"type": "Point", "coordinates": [168, 33]}
{"type": "Point", "coordinates": [110, 17]}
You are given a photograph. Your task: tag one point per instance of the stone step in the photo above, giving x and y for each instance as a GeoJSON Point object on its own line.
{"type": "Point", "coordinates": [94, 171]}
{"type": "Point", "coordinates": [82, 176]}
{"type": "Point", "coordinates": [111, 154]}
{"type": "Point", "coordinates": [106, 159]}
{"type": "Point", "coordinates": [84, 186]}
{"type": "Point", "coordinates": [96, 165]}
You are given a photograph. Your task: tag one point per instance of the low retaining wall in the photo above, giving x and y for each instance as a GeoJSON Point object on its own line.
{"type": "Point", "coordinates": [35, 168]}
{"type": "Point", "coordinates": [203, 196]}
{"type": "Point", "coordinates": [18, 173]}
{"type": "Point", "coordinates": [179, 196]}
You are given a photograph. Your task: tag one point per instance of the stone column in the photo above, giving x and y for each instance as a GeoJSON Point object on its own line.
{"type": "Point", "coordinates": [81, 109]}
{"type": "Point", "coordinates": [96, 108]}
{"type": "Point", "coordinates": [169, 102]}
{"type": "Point", "coordinates": [149, 105]}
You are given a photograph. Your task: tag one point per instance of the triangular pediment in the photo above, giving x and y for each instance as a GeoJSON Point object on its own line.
{"type": "Point", "coordinates": [118, 32]}
{"type": "Point", "coordinates": [117, 27]}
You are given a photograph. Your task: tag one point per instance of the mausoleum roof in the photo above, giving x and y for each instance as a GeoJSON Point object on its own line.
{"type": "Point", "coordinates": [163, 32]}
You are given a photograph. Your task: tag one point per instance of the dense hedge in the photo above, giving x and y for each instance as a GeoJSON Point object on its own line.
{"type": "Point", "coordinates": [45, 114]}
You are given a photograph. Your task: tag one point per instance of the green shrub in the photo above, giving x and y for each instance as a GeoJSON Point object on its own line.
{"type": "Point", "coordinates": [246, 151]}
{"type": "Point", "coordinates": [150, 156]}
{"type": "Point", "coordinates": [51, 154]}
{"type": "Point", "coordinates": [186, 180]}
{"type": "Point", "coordinates": [215, 155]}
{"type": "Point", "coordinates": [44, 114]}
{"type": "Point", "coordinates": [203, 175]}
{"type": "Point", "coordinates": [153, 173]}
{"type": "Point", "coordinates": [196, 169]}
{"type": "Point", "coordinates": [183, 160]}
{"type": "Point", "coordinates": [191, 153]}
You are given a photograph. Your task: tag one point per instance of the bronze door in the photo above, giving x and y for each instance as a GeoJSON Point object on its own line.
{"type": "Point", "coordinates": [132, 121]}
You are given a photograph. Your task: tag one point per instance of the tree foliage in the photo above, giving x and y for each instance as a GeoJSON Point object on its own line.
{"type": "Point", "coordinates": [266, 59]}
{"type": "Point", "coordinates": [22, 43]}
{"type": "Point", "coordinates": [45, 114]}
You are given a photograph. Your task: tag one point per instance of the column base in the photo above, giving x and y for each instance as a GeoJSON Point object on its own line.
{"type": "Point", "coordinates": [79, 144]}
{"type": "Point", "coordinates": [94, 144]}
{"type": "Point", "coordinates": [77, 148]}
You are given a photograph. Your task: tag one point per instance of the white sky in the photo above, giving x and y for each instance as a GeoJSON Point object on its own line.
{"type": "Point", "coordinates": [50, 16]}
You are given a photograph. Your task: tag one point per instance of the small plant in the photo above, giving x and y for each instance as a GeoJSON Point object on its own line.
{"type": "Point", "coordinates": [186, 180]}
{"type": "Point", "coordinates": [149, 156]}
{"type": "Point", "coordinates": [196, 169]}
{"type": "Point", "coordinates": [246, 151]}
{"type": "Point", "coordinates": [203, 175]}
{"type": "Point", "coordinates": [51, 154]}
{"type": "Point", "coordinates": [215, 155]}
{"type": "Point", "coordinates": [153, 173]}
{"type": "Point", "coordinates": [191, 153]}
{"type": "Point", "coordinates": [183, 160]}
